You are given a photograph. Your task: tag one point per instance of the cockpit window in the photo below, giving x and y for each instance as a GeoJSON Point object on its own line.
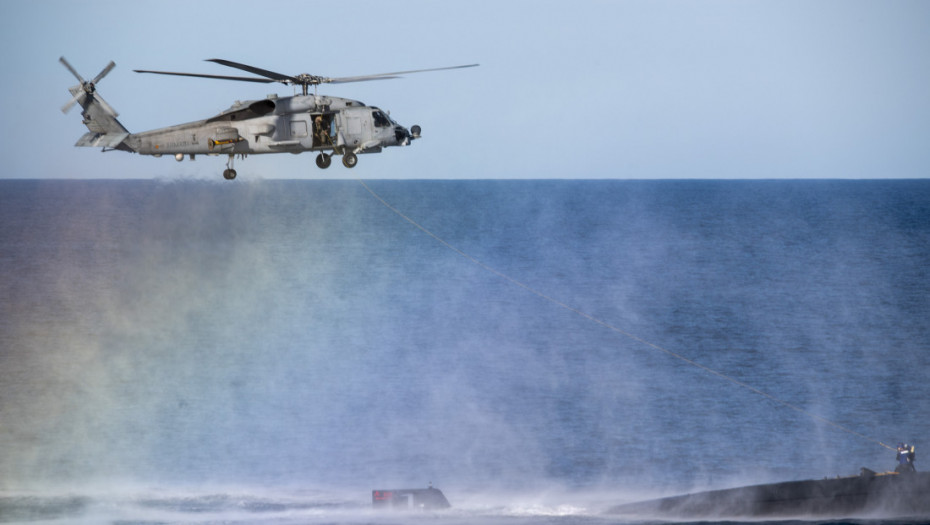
{"type": "Point", "coordinates": [381, 120]}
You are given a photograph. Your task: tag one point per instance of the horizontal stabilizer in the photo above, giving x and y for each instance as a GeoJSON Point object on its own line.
{"type": "Point", "coordinates": [102, 140]}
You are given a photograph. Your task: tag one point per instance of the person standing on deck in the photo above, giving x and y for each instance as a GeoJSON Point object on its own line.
{"type": "Point", "coordinates": [905, 458]}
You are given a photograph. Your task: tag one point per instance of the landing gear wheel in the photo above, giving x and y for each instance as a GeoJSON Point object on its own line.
{"type": "Point", "coordinates": [323, 161]}
{"type": "Point", "coordinates": [349, 160]}
{"type": "Point", "coordinates": [230, 173]}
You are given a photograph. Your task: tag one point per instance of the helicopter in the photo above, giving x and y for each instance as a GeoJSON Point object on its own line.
{"type": "Point", "coordinates": [291, 124]}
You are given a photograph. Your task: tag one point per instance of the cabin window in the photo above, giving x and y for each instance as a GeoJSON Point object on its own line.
{"type": "Point", "coordinates": [298, 128]}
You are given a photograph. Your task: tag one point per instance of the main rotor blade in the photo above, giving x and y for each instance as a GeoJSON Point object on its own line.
{"type": "Point", "coordinates": [200, 75]}
{"type": "Point", "coordinates": [258, 71]}
{"type": "Point", "coordinates": [346, 80]}
{"type": "Point", "coordinates": [71, 69]}
{"type": "Point", "coordinates": [272, 76]}
{"type": "Point", "coordinates": [362, 78]}
{"type": "Point", "coordinates": [104, 72]}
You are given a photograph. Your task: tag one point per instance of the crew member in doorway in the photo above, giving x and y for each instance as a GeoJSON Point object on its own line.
{"type": "Point", "coordinates": [905, 458]}
{"type": "Point", "coordinates": [320, 131]}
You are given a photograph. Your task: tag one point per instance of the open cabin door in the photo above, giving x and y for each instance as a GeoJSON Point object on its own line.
{"type": "Point", "coordinates": [323, 132]}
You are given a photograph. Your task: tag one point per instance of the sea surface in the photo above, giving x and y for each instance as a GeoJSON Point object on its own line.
{"type": "Point", "coordinates": [273, 351]}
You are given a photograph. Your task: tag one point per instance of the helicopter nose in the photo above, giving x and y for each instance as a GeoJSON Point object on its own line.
{"type": "Point", "coordinates": [400, 134]}
{"type": "Point", "coordinates": [403, 136]}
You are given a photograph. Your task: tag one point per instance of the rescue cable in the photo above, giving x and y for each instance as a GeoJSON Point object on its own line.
{"type": "Point", "coordinates": [615, 329]}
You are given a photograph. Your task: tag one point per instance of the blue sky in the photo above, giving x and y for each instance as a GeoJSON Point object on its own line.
{"type": "Point", "coordinates": [587, 89]}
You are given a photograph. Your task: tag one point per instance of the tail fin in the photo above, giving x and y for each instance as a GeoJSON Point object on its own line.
{"type": "Point", "coordinates": [104, 130]}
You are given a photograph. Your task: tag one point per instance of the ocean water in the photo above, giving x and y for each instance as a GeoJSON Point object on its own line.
{"type": "Point", "coordinates": [272, 351]}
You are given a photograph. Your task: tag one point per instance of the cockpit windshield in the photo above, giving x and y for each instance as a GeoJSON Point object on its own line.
{"type": "Point", "coordinates": [381, 120]}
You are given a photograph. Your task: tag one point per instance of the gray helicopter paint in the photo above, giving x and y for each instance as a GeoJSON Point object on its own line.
{"type": "Point", "coordinates": [293, 124]}
{"type": "Point", "coordinates": [288, 128]}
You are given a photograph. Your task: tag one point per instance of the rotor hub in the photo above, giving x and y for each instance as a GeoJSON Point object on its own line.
{"type": "Point", "coordinates": [307, 79]}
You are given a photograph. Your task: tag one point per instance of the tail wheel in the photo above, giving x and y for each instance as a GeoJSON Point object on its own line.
{"type": "Point", "coordinates": [349, 160]}
{"type": "Point", "coordinates": [323, 161]}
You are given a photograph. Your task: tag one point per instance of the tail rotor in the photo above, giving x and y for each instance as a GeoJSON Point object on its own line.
{"type": "Point", "coordinates": [87, 89]}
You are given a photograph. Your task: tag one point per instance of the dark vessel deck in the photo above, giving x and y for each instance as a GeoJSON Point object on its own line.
{"type": "Point", "coordinates": [886, 495]}
{"type": "Point", "coordinates": [413, 499]}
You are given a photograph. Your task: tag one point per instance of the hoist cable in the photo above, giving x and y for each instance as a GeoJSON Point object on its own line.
{"type": "Point", "coordinates": [615, 329]}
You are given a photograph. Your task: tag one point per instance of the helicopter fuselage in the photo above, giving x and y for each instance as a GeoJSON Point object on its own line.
{"type": "Point", "coordinates": [279, 124]}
